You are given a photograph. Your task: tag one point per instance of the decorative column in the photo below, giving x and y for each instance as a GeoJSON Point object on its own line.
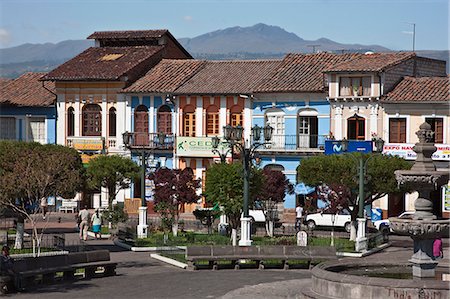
{"type": "Point", "coordinates": [373, 118]}
{"type": "Point", "coordinates": [338, 134]}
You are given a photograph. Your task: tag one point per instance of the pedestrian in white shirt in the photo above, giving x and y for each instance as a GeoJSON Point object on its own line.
{"type": "Point", "coordinates": [84, 222]}
{"type": "Point", "coordinates": [298, 217]}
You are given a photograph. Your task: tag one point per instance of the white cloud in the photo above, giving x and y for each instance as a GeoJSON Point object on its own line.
{"type": "Point", "coordinates": [187, 18]}
{"type": "Point", "coordinates": [5, 37]}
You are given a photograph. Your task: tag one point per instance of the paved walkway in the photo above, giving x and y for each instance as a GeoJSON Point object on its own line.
{"type": "Point", "coordinates": [139, 276]}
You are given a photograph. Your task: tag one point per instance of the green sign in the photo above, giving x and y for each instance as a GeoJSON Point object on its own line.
{"type": "Point", "coordinates": [198, 147]}
{"type": "Point", "coordinates": [446, 199]}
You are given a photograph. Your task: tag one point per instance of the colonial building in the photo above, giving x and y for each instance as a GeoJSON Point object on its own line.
{"type": "Point", "coordinates": [27, 109]}
{"type": "Point", "coordinates": [92, 114]}
{"type": "Point", "coordinates": [412, 102]}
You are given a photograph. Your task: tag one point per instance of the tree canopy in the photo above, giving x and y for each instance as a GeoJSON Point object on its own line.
{"type": "Point", "coordinates": [335, 170]}
{"type": "Point", "coordinates": [224, 185]}
{"type": "Point", "coordinates": [112, 172]}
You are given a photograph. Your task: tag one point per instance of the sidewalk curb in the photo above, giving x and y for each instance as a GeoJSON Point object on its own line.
{"type": "Point", "coordinates": [168, 260]}
{"type": "Point", "coordinates": [102, 236]}
{"type": "Point", "coordinates": [363, 254]}
{"type": "Point", "coordinates": [48, 253]}
{"type": "Point", "coordinates": [147, 249]}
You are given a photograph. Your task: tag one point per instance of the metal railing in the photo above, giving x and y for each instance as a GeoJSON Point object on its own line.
{"type": "Point", "coordinates": [157, 141]}
{"type": "Point", "coordinates": [295, 142]}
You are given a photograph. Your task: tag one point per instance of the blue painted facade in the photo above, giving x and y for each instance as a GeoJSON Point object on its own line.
{"type": "Point", "coordinates": [288, 157]}
{"type": "Point", "coordinates": [21, 114]}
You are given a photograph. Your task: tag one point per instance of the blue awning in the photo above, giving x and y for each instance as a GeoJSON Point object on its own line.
{"type": "Point", "coordinates": [302, 189]}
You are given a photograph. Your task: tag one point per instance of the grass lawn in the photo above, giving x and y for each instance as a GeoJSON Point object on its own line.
{"type": "Point", "coordinates": [30, 250]}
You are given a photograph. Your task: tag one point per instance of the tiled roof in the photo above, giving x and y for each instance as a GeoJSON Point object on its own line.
{"type": "Point", "coordinates": [98, 63]}
{"type": "Point", "coordinates": [4, 81]}
{"type": "Point", "coordinates": [423, 89]}
{"type": "Point", "coordinates": [167, 76]}
{"type": "Point", "coordinates": [229, 77]}
{"type": "Point", "coordinates": [128, 34]}
{"type": "Point", "coordinates": [302, 73]}
{"type": "Point", "coordinates": [27, 90]}
{"type": "Point", "coordinates": [374, 62]}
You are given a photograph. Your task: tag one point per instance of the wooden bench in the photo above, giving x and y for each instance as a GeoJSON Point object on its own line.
{"type": "Point", "coordinates": [63, 267]}
{"type": "Point", "coordinates": [259, 254]}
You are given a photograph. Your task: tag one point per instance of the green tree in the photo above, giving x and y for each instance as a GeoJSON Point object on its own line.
{"type": "Point", "coordinates": [335, 170]}
{"type": "Point", "coordinates": [113, 172]}
{"type": "Point", "coordinates": [30, 172]}
{"type": "Point", "coordinates": [224, 185]}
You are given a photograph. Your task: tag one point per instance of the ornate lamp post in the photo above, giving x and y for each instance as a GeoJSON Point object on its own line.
{"type": "Point", "coordinates": [222, 153]}
{"type": "Point", "coordinates": [129, 143]}
{"type": "Point", "coordinates": [361, 240]}
{"type": "Point", "coordinates": [247, 150]}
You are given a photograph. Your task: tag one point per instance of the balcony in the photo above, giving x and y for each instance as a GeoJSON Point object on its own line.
{"type": "Point", "coordinates": [154, 141]}
{"type": "Point", "coordinates": [295, 143]}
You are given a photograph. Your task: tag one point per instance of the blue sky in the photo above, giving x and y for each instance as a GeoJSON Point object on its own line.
{"type": "Point", "coordinates": [382, 22]}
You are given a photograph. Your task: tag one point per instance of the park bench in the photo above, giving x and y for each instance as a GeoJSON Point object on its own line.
{"type": "Point", "coordinates": [62, 267]}
{"type": "Point", "coordinates": [258, 254]}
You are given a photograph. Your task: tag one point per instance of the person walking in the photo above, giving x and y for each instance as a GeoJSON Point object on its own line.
{"type": "Point", "coordinates": [44, 207]}
{"type": "Point", "coordinates": [437, 249]}
{"type": "Point", "coordinates": [84, 222]}
{"type": "Point", "coordinates": [96, 222]}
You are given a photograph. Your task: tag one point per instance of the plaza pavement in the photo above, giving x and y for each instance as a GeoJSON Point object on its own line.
{"type": "Point", "coordinates": [139, 276]}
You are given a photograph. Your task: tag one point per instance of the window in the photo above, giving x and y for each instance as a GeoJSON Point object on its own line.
{"type": "Point", "coordinates": [92, 120]}
{"type": "Point", "coordinates": [164, 120]}
{"type": "Point", "coordinates": [397, 130]}
{"type": "Point", "coordinates": [7, 128]}
{"type": "Point", "coordinates": [356, 128]}
{"type": "Point", "coordinates": [437, 125]}
{"type": "Point", "coordinates": [189, 121]}
{"type": "Point", "coordinates": [70, 122]}
{"type": "Point", "coordinates": [141, 125]}
{"type": "Point", "coordinates": [112, 122]}
{"type": "Point", "coordinates": [236, 116]}
{"type": "Point", "coordinates": [36, 130]}
{"type": "Point", "coordinates": [275, 119]}
{"type": "Point", "coordinates": [355, 86]}
{"type": "Point", "coordinates": [212, 121]}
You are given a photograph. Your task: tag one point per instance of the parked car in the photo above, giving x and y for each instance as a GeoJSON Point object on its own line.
{"type": "Point", "coordinates": [341, 220]}
{"type": "Point", "coordinates": [383, 224]}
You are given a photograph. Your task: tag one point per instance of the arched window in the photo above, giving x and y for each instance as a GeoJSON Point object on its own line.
{"type": "Point", "coordinates": [70, 121]}
{"type": "Point", "coordinates": [164, 120]}
{"type": "Point", "coordinates": [236, 116]}
{"type": "Point", "coordinates": [212, 121]}
{"type": "Point", "coordinates": [274, 167]}
{"type": "Point", "coordinates": [189, 121]}
{"type": "Point", "coordinates": [141, 125]}
{"type": "Point", "coordinates": [92, 120]}
{"type": "Point", "coordinates": [112, 122]}
{"type": "Point", "coordinates": [356, 128]}
{"type": "Point", "coordinates": [307, 125]}
{"type": "Point", "coordinates": [275, 118]}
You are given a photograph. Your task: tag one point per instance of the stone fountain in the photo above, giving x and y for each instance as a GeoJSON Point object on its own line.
{"type": "Point", "coordinates": [423, 228]}
{"type": "Point", "coordinates": [416, 279]}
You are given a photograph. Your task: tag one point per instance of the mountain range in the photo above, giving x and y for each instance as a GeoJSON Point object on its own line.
{"type": "Point", "coordinates": [255, 42]}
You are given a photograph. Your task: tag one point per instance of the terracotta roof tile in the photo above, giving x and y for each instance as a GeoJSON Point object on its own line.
{"type": "Point", "coordinates": [98, 63]}
{"type": "Point", "coordinates": [4, 81]}
{"type": "Point", "coordinates": [302, 73]}
{"type": "Point", "coordinates": [167, 76]}
{"type": "Point", "coordinates": [128, 34]}
{"type": "Point", "coordinates": [423, 89]}
{"type": "Point", "coordinates": [229, 77]}
{"type": "Point", "coordinates": [27, 90]}
{"type": "Point", "coordinates": [374, 62]}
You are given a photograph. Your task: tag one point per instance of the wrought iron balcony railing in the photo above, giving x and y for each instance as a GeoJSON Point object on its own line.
{"type": "Point", "coordinates": [295, 142]}
{"type": "Point", "coordinates": [156, 141]}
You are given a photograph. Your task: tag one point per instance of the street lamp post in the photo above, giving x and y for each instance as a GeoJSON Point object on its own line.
{"type": "Point", "coordinates": [128, 141]}
{"type": "Point", "coordinates": [222, 153]}
{"type": "Point", "coordinates": [233, 136]}
{"type": "Point", "coordinates": [361, 240]}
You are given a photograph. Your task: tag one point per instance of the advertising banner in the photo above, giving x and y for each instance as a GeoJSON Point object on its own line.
{"type": "Point", "coordinates": [335, 147]}
{"type": "Point", "coordinates": [197, 147]}
{"type": "Point", "coordinates": [405, 150]}
{"type": "Point", "coordinates": [446, 198]}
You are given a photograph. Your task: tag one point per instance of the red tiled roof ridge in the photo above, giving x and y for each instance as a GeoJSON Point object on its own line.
{"type": "Point", "coordinates": [104, 34]}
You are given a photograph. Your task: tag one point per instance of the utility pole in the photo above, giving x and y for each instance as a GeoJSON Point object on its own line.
{"type": "Point", "coordinates": [413, 34]}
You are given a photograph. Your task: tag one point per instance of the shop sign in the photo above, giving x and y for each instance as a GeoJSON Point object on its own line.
{"type": "Point", "coordinates": [335, 147]}
{"type": "Point", "coordinates": [197, 147]}
{"type": "Point", "coordinates": [446, 198]}
{"type": "Point", "coordinates": [87, 144]}
{"type": "Point", "coordinates": [85, 158]}
{"type": "Point", "coordinates": [405, 151]}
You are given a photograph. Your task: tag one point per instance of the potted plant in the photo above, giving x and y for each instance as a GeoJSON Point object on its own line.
{"type": "Point", "coordinates": [355, 90]}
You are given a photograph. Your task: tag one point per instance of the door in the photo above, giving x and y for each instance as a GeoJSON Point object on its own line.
{"type": "Point", "coordinates": [275, 119]}
{"type": "Point", "coordinates": [307, 132]}
{"type": "Point", "coordinates": [141, 126]}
